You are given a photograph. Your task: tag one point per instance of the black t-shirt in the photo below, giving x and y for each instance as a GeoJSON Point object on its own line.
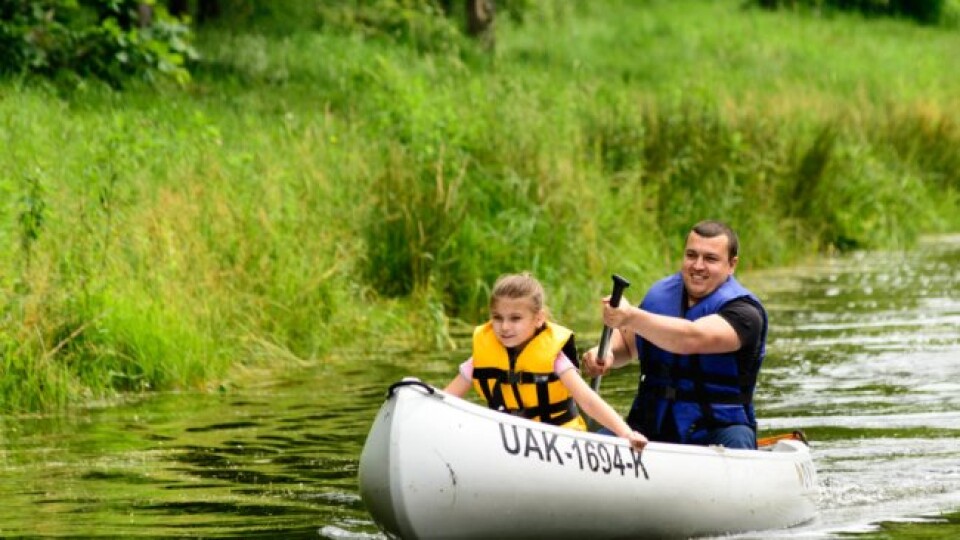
{"type": "Point", "coordinates": [745, 318]}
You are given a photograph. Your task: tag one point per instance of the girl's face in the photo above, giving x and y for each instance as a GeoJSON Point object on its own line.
{"type": "Point", "coordinates": [515, 321]}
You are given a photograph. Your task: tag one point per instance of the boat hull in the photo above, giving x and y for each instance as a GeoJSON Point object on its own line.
{"type": "Point", "coordinates": [436, 466]}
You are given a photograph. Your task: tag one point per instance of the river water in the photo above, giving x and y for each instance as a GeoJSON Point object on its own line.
{"type": "Point", "coordinates": [864, 356]}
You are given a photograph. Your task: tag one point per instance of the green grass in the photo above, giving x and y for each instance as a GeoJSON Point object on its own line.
{"type": "Point", "coordinates": [942, 525]}
{"type": "Point", "coordinates": [315, 192]}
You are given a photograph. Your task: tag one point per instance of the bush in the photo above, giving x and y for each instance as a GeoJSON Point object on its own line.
{"type": "Point", "coordinates": [112, 40]}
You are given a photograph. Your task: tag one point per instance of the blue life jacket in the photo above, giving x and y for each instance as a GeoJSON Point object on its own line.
{"type": "Point", "coordinates": [701, 391]}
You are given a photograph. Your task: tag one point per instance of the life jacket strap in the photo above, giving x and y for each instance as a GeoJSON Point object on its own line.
{"type": "Point", "coordinates": [671, 393]}
{"type": "Point", "coordinates": [553, 413]}
{"type": "Point", "coordinates": [675, 372]}
{"type": "Point", "coordinates": [523, 377]}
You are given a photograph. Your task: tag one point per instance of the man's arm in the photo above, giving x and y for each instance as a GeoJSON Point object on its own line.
{"type": "Point", "coordinates": [706, 335]}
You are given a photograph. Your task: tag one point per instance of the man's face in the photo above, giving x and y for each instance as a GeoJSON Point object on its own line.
{"type": "Point", "coordinates": [706, 265]}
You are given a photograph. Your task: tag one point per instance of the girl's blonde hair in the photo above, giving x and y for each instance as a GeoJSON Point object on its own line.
{"type": "Point", "coordinates": [519, 286]}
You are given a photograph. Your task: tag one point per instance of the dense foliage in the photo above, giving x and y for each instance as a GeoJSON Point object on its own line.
{"type": "Point", "coordinates": [112, 40]}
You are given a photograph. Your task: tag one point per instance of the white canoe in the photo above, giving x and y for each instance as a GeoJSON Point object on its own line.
{"type": "Point", "coordinates": [436, 466]}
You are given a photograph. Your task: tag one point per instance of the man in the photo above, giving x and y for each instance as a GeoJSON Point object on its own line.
{"type": "Point", "coordinates": [701, 338]}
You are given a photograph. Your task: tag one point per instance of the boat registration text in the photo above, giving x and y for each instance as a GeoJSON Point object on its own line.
{"type": "Point", "coordinates": [592, 456]}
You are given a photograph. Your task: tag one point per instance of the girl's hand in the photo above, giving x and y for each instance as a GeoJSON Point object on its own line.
{"type": "Point", "coordinates": [594, 366]}
{"type": "Point", "coordinates": [637, 440]}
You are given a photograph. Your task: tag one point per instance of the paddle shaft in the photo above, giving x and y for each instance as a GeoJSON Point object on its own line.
{"type": "Point", "coordinates": [619, 284]}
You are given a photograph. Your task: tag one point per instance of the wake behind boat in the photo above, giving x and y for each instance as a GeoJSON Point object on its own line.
{"type": "Point", "coordinates": [437, 466]}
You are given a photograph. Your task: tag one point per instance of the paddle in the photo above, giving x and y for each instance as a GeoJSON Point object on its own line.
{"type": "Point", "coordinates": [619, 284]}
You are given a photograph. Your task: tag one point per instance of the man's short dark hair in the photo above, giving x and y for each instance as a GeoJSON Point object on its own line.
{"type": "Point", "coordinates": [711, 228]}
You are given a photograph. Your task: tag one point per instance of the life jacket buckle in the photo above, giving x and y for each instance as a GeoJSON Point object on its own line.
{"type": "Point", "coordinates": [513, 377]}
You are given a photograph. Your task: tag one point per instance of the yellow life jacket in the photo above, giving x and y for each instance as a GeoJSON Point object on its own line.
{"type": "Point", "coordinates": [526, 386]}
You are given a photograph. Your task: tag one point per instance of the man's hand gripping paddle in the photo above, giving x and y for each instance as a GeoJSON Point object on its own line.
{"type": "Point", "coordinates": [619, 284]}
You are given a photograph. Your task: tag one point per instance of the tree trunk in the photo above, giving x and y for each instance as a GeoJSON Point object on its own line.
{"type": "Point", "coordinates": [480, 21]}
{"type": "Point", "coordinates": [145, 15]}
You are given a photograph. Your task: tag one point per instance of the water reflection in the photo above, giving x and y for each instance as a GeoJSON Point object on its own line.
{"type": "Point", "coordinates": [864, 356]}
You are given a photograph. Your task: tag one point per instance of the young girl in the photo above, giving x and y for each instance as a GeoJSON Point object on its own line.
{"type": "Point", "coordinates": [522, 364]}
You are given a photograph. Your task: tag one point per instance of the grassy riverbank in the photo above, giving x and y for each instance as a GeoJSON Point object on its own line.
{"type": "Point", "coordinates": [314, 192]}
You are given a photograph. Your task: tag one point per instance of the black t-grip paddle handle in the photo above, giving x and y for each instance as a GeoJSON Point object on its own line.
{"type": "Point", "coordinates": [619, 284]}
